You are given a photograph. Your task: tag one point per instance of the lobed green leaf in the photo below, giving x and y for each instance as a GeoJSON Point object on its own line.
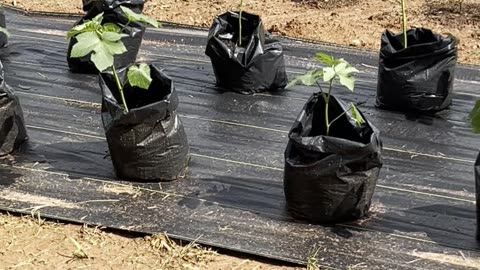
{"type": "Point", "coordinates": [135, 17]}
{"type": "Point", "coordinates": [139, 76]}
{"type": "Point", "coordinates": [88, 26]}
{"type": "Point", "coordinates": [309, 78]}
{"type": "Point", "coordinates": [111, 36]}
{"type": "Point", "coordinates": [356, 116]}
{"type": "Point", "coordinates": [102, 60]}
{"type": "Point", "coordinates": [325, 59]}
{"type": "Point", "coordinates": [328, 74]}
{"type": "Point", "coordinates": [111, 27]}
{"type": "Point", "coordinates": [347, 81]}
{"type": "Point", "coordinates": [87, 42]}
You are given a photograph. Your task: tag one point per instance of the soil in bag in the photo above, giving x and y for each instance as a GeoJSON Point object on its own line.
{"type": "Point", "coordinates": [12, 125]}
{"type": "Point", "coordinates": [148, 142]}
{"type": "Point", "coordinates": [3, 24]}
{"type": "Point", "coordinates": [257, 65]}
{"type": "Point", "coordinates": [112, 14]}
{"type": "Point", "coordinates": [330, 178]}
{"type": "Point", "coordinates": [418, 78]}
{"type": "Point", "coordinates": [477, 191]}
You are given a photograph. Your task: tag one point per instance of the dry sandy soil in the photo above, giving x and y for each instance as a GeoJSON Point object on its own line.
{"type": "Point", "coordinates": [345, 22]}
{"type": "Point", "coordinates": [33, 243]}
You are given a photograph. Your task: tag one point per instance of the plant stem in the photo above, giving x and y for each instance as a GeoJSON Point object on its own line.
{"type": "Point", "coordinates": [326, 106]}
{"type": "Point", "coordinates": [120, 88]}
{"type": "Point", "coordinates": [342, 114]}
{"type": "Point", "coordinates": [404, 18]}
{"type": "Point", "coordinates": [125, 26]}
{"type": "Point", "coordinates": [240, 24]}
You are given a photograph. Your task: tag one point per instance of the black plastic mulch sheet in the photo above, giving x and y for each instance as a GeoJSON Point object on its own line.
{"type": "Point", "coordinates": [112, 14]}
{"type": "Point", "coordinates": [3, 23]}
{"type": "Point", "coordinates": [255, 65]}
{"type": "Point", "coordinates": [148, 142]}
{"type": "Point", "coordinates": [12, 125]}
{"type": "Point", "coordinates": [232, 196]}
{"type": "Point", "coordinates": [418, 78]}
{"type": "Point", "coordinates": [331, 178]}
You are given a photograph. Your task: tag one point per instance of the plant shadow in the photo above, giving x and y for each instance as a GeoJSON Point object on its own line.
{"type": "Point", "coordinates": [8, 175]}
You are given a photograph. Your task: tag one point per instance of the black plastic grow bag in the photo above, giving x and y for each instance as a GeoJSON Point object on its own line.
{"type": "Point", "coordinates": [112, 14]}
{"type": "Point", "coordinates": [12, 125]}
{"type": "Point", "coordinates": [477, 191]}
{"type": "Point", "coordinates": [257, 66]}
{"type": "Point", "coordinates": [95, 7]}
{"type": "Point", "coordinates": [148, 142]}
{"type": "Point", "coordinates": [330, 178]}
{"type": "Point", "coordinates": [418, 78]}
{"type": "Point", "coordinates": [3, 36]}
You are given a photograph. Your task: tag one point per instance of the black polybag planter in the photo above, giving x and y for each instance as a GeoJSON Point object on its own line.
{"type": "Point", "coordinates": [418, 78]}
{"type": "Point", "coordinates": [95, 7]}
{"type": "Point", "coordinates": [112, 14]}
{"type": "Point", "coordinates": [255, 67]}
{"type": "Point", "coordinates": [148, 142]}
{"type": "Point", "coordinates": [3, 36]}
{"type": "Point", "coordinates": [12, 126]}
{"type": "Point", "coordinates": [332, 178]}
{"type": "Point", "coordinates": [477, 191]}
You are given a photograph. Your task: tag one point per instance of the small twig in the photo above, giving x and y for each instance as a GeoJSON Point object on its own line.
{"type": "Point", "coordinates": [97, 201]}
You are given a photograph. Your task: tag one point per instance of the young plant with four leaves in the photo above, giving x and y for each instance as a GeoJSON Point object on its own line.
{"type": "Point", "coordinates": [103, 41]}
{"type": "Point", "coordinates": [336, 70]}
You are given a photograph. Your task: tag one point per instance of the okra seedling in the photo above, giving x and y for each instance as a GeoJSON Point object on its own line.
{"type": "Point", "coordinates": [336, 70]}
{"type": "Point", "coordinates": [103, 41]}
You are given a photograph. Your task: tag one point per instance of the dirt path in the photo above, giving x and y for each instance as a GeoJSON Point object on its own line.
{"type": "Point", "coordinates": [345, 22]}
{"type": "Point", "coordinates": [33, 243]}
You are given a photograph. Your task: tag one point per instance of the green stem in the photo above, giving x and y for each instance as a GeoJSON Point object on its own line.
{"type": "Point", "coordinates": [120, 88]}
{"type": "Point", "coordinates": [342, 114]}
{"type": "Point", "coordinates": [326, 106]}
{"type": "Point", "coordinates": [240, 24]}
{"type": "Point", "coordinates": [125, 26]}
{"type": "Point", "coordinates": [404, 17]}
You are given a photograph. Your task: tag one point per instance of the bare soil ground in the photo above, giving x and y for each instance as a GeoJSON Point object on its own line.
{"type": "Point", "coordinates": [33, 243]}
{"type": "Point", "coordinates": [345, 22]}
